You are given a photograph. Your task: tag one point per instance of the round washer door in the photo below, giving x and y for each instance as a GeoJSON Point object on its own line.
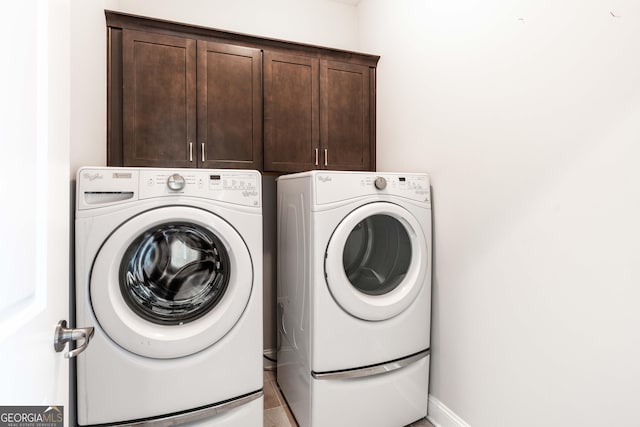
{"type": "Point", "coordinates": [171, 281]}
{"type": "Point", "coordinates": [376, 261]}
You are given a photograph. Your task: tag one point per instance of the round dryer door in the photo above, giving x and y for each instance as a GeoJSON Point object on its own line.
{"type": "Point", "coordinates": [376, 261]}
{"type": "Point", "coordinates": [171, 281]}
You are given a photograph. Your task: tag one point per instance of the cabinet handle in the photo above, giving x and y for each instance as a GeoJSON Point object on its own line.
{"type": "Point", "coordinates": [316, 157]}
{"type": "Point", "coordinates": [326, 156]}
{"type": "Point", "coordinates": [191, 151]}
{"type": "Point", "coordinates": [202, 149]}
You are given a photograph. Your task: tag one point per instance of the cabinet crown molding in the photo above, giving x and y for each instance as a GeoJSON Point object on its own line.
{"type": "Point", "coordinates": [135, 22]}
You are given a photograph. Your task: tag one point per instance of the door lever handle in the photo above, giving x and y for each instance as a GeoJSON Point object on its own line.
{"type": "Point", "coordinates": [63, 335]}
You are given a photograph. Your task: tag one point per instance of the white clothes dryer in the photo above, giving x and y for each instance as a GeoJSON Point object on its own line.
{"type": "Point", "coordinates": [354, 297]}
{"type": "Point", "coordinates": [169, 275]}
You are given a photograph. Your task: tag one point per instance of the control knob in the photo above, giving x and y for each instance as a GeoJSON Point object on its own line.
{"type": "Point", "coordinates": [175, 182]}
{"type": "Point", "coordinates": [380, 183]}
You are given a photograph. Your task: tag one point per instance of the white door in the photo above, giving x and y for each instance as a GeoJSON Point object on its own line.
{"type": "Point", "coordinates": [34, 256]}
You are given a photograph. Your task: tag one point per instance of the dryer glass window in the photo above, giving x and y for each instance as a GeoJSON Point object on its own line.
{"type": "Point", "coordinates": [174, 273]}
{"type": "Point", "coordinates": [377, 254]}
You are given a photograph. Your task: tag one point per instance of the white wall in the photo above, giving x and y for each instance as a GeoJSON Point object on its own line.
{"type": "Point", "coordinates": [526, 114]}
{"type": "Point", "coordinates": [319, 22]}
{"type": "Point", "coordinates": [88, 84]}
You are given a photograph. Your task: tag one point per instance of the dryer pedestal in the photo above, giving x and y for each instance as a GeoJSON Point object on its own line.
{"type": "Point", "coordinates": [395, 399]}
{"type": "Point", "coordinates": [392, 399]}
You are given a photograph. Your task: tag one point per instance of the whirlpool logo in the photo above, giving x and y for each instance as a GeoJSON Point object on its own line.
{"type": "Point", "coordinates": [323, 178]}
{"type": "Point", "coordinates": [31, 416]}
{"type": "Point", "coordinates": [92, 176]}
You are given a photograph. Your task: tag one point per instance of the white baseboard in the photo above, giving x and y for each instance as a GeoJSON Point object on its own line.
{"type": "Point", "coordinates": [440, 416]}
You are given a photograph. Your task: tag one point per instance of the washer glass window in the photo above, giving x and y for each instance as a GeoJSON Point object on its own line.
{"type": "Point", "coordinates": [174, 273]}
{"type": "Point", "coordinates": [377, 254]}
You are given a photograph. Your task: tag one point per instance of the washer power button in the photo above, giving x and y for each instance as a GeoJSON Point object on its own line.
{"type": "Point", "coordinates": [175, 182]}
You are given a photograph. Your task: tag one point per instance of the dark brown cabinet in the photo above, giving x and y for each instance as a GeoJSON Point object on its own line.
{"type": "Point", "coordinates": [318, 114]}
{"type": "Point", "coordinates": [189, 103]}
{"type": "Point", "coordinates": [187, 96]}
{"type": "Point", "coordinates": [159, 99]}
{"type": "Point", "coordinates": [229, 106]}
{"type": "Point", "coordinates": [291, 120]}
{"type": "Point", "coordinates": [345, 116]}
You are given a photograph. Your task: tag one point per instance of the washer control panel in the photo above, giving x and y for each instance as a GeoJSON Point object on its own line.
{"type": "Point", "coordinates": [233, 186]}
{"type": "Point", "coordinates": [106, 186]}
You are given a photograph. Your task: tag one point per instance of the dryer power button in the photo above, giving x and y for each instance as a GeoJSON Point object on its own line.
{"type": "Point", "coordinates": [380, 183]}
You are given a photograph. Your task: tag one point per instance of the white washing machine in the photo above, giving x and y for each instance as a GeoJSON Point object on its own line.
{"type": "Point", "coordinates": [169, 275]}
{"type": "Point", "coordinates": [354, 297]}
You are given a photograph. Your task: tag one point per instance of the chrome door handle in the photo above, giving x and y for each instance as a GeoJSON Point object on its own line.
{"type": "Point", "coordinates": [202, 146]}
{"type": "Point", "coordinates": [63, 335]}
{"type": "Point", "coordinates": [326, 156]}
{"type": "Point", "coordinates": [316, 157]}
{"type": "Point", "coordinates": [191, 151]}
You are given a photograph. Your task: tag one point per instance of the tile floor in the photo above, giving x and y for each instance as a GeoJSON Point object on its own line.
{"type": "Point", "coordinates": [276, 411]}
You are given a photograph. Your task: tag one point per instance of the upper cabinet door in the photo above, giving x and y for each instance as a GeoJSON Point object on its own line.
{"type": "Point", "coordinates": [291, 139]}
{"type": "Point", "coordinates": [229, 106]}
{"type": "Point", "coordinates": [345, 116]}
{"type": "Point", "coordinates": [159, 99]}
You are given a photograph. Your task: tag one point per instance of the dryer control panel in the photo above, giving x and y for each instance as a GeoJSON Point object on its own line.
{"type": "Point", "coordinates": [338, 186]}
